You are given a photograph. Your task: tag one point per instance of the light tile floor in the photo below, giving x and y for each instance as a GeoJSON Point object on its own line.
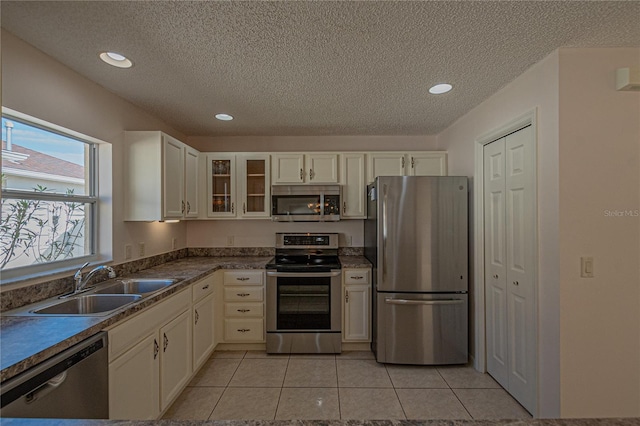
{"type": "Point", "coordinates": [251, 385]}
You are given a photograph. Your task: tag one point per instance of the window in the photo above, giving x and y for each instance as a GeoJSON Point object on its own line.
{"type": "Point", "coordinates": [49, 197]}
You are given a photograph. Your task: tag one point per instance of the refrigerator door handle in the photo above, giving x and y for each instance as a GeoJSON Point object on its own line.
{"type": "Point", "coordinates": [384, 232]}
{"type": "Point", "coordinates": [392, 301]}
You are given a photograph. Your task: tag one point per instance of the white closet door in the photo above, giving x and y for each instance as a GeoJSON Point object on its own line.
{"type": "Point", "coordinates": [495, 261]}
{"type": "Point", "coordinates": [520, 218]}
{"type": "Point", "coordinates": [509, 232]}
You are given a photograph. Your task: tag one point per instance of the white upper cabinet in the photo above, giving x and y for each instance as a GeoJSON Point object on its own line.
{"type": "Point", "coordinates": [191, 182]}
{"type": "Point", "coordinates": [352, 179]}
{"type": "Point", "coordinates": [238, 185]}
{"type": "Point", "coordinates": [314, 168]}
{"type": "Point", "coordinates": [428, 163]}
{"type": "Point", "coordinates": [221, 187]}
{"type": "Point", "coordinates": [160, 172]}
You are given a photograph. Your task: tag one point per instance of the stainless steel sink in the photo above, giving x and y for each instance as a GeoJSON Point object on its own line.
{"type": "Point", "coordinates": [90, 304]}
{"type": "Point", "coordinates": [141, 286]}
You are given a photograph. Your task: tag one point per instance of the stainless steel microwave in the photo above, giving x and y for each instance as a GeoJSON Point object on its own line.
{"type": "Point", "coordinates": [305, 203]}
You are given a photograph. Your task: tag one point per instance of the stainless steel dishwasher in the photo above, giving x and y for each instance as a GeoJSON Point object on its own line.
{"type": "Point", "coordinates": [73, 384]}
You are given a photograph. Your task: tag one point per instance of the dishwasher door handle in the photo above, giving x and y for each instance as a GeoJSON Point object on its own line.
{"type": "Point", "coordinates": [45, 388]}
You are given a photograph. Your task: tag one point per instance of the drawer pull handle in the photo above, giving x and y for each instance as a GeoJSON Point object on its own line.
{"type": "Point", "coordinates": [516, 283]}
{"type": "Point", "coordinates": [244, 330]}
{"type": "Point", "coordinates": [244, 310]}
{"type": "Point", "coordinates": [358, 277]}
{"type": "Point", "coordinates": [243, 294]}
{"type": "Point", "coordinates": [242, 279]}
{"type": "Point", "coordinates": [205, 287]}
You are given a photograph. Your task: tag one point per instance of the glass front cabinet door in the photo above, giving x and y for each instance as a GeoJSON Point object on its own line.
{"type": "Point", "coordinates": [254, 185]}
{"type": "Point", "coordinates": [238, 185]}
{"type": "Point", "coordinates": [221, 170]}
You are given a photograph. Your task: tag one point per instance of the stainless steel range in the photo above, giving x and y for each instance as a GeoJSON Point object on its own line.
{"type": "Point", "coordinates": [303, 295]}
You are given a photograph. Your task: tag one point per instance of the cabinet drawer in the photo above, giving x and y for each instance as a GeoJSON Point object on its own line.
{"type": "Point", "coordinates": [244, 310]}
{"type": "Point", "coordinates": [242, 277]}
{"type": "Point", "coordinates": [243, 294]}
{"type": "Point", "coordinates": [356, 276]}
{"type": "Point", "coordinates": [202, 288]}
{"type": "Point", "coordinates": [243, 330]}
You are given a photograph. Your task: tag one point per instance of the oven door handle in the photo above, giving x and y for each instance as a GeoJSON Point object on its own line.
{"type": "Point", "coordinates": [303, 274]}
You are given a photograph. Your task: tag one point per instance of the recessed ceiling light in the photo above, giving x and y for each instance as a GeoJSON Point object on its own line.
{"type": "Point", "coordinates": [440, 88]}
{"type": "Point", "coordinates": [116, 59]}
{"type": "Point", "coordinates": [224, 117]}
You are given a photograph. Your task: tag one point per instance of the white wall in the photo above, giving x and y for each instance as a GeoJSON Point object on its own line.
{"type": "Point", "coordinates": [36, 84]}
{"type": "Point", "coordinates": [588, 163]}
{"type": "Point", "coordinates": [599, 176]}
{"type": "Point", "coordinates": [537, 88]}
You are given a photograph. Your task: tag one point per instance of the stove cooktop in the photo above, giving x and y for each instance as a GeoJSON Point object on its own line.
{"type": "Point", "coordinates": [308, 263]}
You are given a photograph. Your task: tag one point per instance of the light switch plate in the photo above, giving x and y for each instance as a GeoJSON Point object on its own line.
{"type": "Point", "coordinates": [586, 267]}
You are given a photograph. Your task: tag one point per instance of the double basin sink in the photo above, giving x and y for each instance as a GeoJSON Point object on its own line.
{"type": "Point", "coordinates": [105, 298]}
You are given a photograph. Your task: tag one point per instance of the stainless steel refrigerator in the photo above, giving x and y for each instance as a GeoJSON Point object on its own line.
{"type": "Point", "coordinates": [416, 237]}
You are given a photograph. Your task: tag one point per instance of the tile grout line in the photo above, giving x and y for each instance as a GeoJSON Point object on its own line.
{"type": "Point", "coordinates": [284, 377]}
{"type": "Point", "coordinates": [393, 386]}
{"type": "Point", "coordinates": [227, 385]}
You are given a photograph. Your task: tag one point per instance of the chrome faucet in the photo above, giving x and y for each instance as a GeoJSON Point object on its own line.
{"type": "Point", "coordinates": [81, 281]}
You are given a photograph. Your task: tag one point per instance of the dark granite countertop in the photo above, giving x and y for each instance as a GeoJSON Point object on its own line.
{"type": "Point", "coordinates": [354, 262]}
{"type": "Point", "coordinates": [27, 340]}
{"type": "Point", "coordinates": [519, 422]}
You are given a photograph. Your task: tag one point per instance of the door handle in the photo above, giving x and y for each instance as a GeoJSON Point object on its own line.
{"type": "Point", "coordinates": [197, 317]}
{"type": "Point", "coordinates": [384, 231]}
{"type": "Point", "coordinates": [166, 342]}
{"type": "Point", "coordinates": [156, 349]}
{"type": "Point", "coordinates": [392, 301]}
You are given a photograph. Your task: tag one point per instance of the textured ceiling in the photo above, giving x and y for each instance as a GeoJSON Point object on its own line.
{"type": "Point", "coordinates": [313, 68]}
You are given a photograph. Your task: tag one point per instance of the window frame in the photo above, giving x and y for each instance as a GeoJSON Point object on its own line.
{"type": "Point", "coordinates": [39, 269]}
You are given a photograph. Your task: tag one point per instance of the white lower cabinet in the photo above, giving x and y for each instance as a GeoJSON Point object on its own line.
{"type": "Point", "coordinates": [150, 359]}
{"type": "Point", "coordinates": [134, 382]}
{"type": "Point", "coordinates": [203, 330]}
{"type": "Point", "coordinates": [175, 358]}
{"type": "Point", "coordinates": [243, 292]}
{"type": "Point", "coordinates": [356, 296]}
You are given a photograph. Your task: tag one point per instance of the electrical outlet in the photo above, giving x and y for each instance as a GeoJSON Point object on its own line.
{"type": "Point", "coordinates": [174, 243]}
{"type": "Point", "coordinates": [349, 240]}
{"type": "Point", "coordinates": [230, 240]}
{"type": "Point", "coordinates": [127, 251]}
{"type": "Point", "coordinates": [141, 249]}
